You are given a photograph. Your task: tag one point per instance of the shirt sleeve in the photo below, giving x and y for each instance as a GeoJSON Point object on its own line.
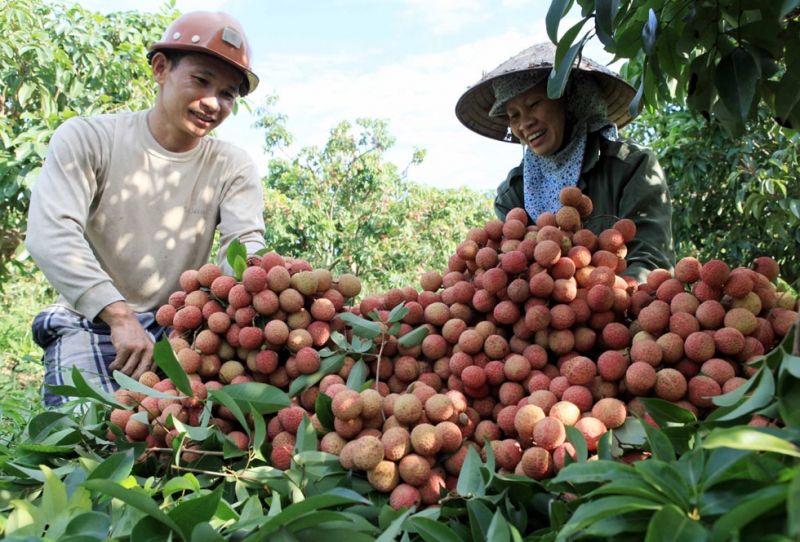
{"type": "Point", "coordinates": [242, 212]}
{"type": "Point", "coordinates": [646, 201]}
{"type": "Point", "coordinates": [509, 195]}
{"type": "Point", "coordinates": [60, 204]}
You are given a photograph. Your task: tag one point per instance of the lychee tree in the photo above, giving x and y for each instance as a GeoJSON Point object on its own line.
{"type": "Point", "coordinates": [734, 198]}
{"type": "Point", "coordinates": [721, 57]}
{"type": "Point", "coordinates": [348, 208]}
{"type": "Point", "coordinates": [56, 62]}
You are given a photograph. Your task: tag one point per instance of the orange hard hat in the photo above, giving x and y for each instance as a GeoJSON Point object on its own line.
{"type": "Point", "coordinates": [213, 33]}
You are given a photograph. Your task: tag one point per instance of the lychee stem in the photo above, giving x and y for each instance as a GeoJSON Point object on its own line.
{"type": "Point", "coordinates": [185, 450]}
{"type": "Point", "coordinates": [378, 363]}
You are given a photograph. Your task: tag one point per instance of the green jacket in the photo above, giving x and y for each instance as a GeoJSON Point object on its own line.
{"type": "Point", "coordinates": [623, 180]}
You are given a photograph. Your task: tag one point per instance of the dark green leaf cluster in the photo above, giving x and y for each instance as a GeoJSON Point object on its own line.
{"type": "Point", "coordinates": [723, 58]}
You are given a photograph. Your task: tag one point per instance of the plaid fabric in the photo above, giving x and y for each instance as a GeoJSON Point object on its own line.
{"type": "Point", "coordinates": [70, 340]}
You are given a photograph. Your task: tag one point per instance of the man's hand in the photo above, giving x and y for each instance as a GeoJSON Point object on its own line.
{"type": "Point", "coordinates": [133, 344]}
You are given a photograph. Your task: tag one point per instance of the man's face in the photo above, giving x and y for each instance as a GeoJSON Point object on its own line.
{"type": "Point", "coordinates": [537, 120]}
{"type": "Point", "coordinates": [196, 95]}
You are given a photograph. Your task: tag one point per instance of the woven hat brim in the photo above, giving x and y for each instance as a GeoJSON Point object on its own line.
{"type": "Point", "coordinates": [472, 109]}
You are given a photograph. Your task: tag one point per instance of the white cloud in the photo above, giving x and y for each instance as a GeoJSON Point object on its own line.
{"type": "Point", "coordinates": [515, 4]}
{"type": "Point", "coordinates": [447, 16]}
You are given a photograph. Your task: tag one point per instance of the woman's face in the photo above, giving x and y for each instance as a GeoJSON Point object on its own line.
{"type": "Point", "coordinates": [537, 120]}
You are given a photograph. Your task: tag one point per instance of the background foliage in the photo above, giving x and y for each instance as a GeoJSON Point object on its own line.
{"type": "Point", "coordinates": [734, 198]}
{"type": "Point", "coordinates": [723, 58]}
{"type": "Point", "coordinates": [57, 62]}
{"type": "Point", "coordinates": [347, 208]}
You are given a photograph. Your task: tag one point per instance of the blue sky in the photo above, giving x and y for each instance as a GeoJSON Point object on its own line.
{"type": "Point", "coordinates": [406, 61]}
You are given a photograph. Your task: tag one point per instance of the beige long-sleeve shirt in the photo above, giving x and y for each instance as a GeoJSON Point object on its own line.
{"type": "Point", "coordinates": [114, 216]}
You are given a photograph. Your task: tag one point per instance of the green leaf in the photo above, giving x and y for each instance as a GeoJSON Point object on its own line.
{"type": "Point", "coordinates": [649, 32]}
{"type": "Point", "coordinates": [24, 93]}
{"type": "Point", "coordinates": [357, 376]}
{"type": "Point", "coordinates": [259, 431]}
{"type": "Point", "coordinates": [147, 529]}
{"type": "Point", "coordinates": [361, 327]}
{"type": "Point", "coordinates": [587, 513]}
{"type": "Point", "coordinates": [592, 471]}
{"type": "Point", "coordinates": [480, 518]}
{"type": "Point", "coordinates": [179, 484]}
{"type": "Point", "coordinates": [567, 40]}
{"type": "Point", "coordinates": [134, 497]}
{"type": "Point", "coordinates": [266, 399]}
{"type": "Point", "coordinates": [25, 520]}
{"type": "Point", "coordinates": [167, 362]}
{"type": "Point", "coordinates": [189, 512]}
{"type": "Point", "coordinates": [605, 445]}
{"type": "Point", "coordinates": [43, 424]}
{"type": "Point", "coordinates": [431, 530]}
{"type": "Point", "coordinates": [750, 507]}
{"type": "Point", "coordinates": [720, 462]}
{"type": "Point", "coordinates": [361, 346]}
{"type": "Point", "coordinates": [334, 497]}
{"type": "Point", "coordinates": [733, 397]}
{"type": "Point", "coordinates": [470, 481]}
{"type": "Point", "coordinates": [793, 508]}
{"type": "Point", "coordinates": [197, 434]}
{"type": "Point", "coordinates": [605, 12]}
{"type": "Point", "coordinates": [788, 394]}
{"type": "Point", "coordinates": [633, 109]}
{"type": "Point", "coordinates": [130, 384]}
{"type": "Point", "coordinates": [557, 10]}
{"type": "Point", "coordinates": [322, 407]}
{"type": "Point", "coordinates": [332, 364]}
{"type": "Point", "coordinates": [306, 437]}
{"type": "Point", "coordinates": [204, 532]}
{"type": "Point", "coordinates": [557, 81]}
{"type": "Point", "coordinates": [578, 442]}
{"type": "Point", "coordinates": [750, 438]}
{"type": "Point", "coordinates": [84, 389]}
{"type": "Point", "coordinates": [395, 527]}
{"type": "Point", "coordinates": [90, 524]}
{"type": "Point", "coordinates": [735, 78]}
{"type": "Point", "coordinates": [666, 479]}
{"type": "Point", "coordinates": [664, 412]}
{"type": "Point", "coordinates": [397, 313]}
{"type": "Point", "coordinates": [413, 337]}
{"type": "Point", "coordinates": [671, 525]}
{"type": "Point", "coordinates": [47, 449]}
{"type": "Point", "coordinates": [762, 395]}
{"type": "Point", "coordinates": [498, 529]}
{"type": "Point", "coordinates": [54, 499]}
{"type": "Point", "coordinates": [116, 467]}
{"type": "Point", "coordinates": [221, 396]}
{"type": "Point", "coordinates": [631, 487]}
{"type": "Point", "coordinates": [660, 445]}
{"type": "Point", "coordinates": [237, 253]}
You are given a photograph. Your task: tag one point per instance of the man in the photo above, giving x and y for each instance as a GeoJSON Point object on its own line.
{"type": "Point", "coordinates": [126, 202]}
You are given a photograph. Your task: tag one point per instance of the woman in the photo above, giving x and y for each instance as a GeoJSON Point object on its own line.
{"type": "Point", "coordinates": [573, 141]}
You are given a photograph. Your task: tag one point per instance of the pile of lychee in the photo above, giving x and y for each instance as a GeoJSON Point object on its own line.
{"type": "Point", "coordinates": [531, 329]}
{"type": "Point", "coordinates": [268, 327]}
